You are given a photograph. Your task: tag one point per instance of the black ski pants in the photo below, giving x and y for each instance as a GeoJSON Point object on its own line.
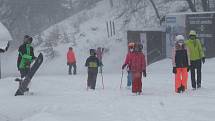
{"type": "Point", "coordinates": [92, 75]}
{"type": "Point", "coordinates": [74, 68]}
{"type": "Point", "coordinates": [196, 66]}
{"type": "Point", "coordinates": [24, 72]}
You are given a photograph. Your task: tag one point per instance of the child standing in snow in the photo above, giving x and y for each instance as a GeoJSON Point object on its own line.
{"type": "Point", "coordinates": [137, 63]}
{"type": "Point", "coordinates": [92, 63]}
{"type": "Point", "coordinates": [126, 63]}
{"type": "Point", "coordinates": [180, 64]}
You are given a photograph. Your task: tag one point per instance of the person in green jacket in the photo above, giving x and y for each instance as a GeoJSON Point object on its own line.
{"type": "Point", "coordinates": [197, 57]}
{"type": "Point", "coordinates": [26, 56]}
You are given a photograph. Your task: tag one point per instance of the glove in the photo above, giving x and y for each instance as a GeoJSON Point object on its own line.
{"type": "Point", "coordinates": [188, 68]}
{"type": "Point", "coordinates": [123, 66]}
{"type": "Point", "coordinates": [203, 60]}
{"type": "Point", "coordinates": [174, 70]}
{"type": "Point", "coordinates": [67, 63]}
{"type": "Point", "coordinates": [144, 73]}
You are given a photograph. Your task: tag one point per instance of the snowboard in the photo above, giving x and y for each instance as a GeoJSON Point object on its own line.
{"type": "Point", "coordinates": [23, 84]}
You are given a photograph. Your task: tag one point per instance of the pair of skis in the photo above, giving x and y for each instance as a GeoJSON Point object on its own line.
{"type": "Point", "coordinates": [102, 79]}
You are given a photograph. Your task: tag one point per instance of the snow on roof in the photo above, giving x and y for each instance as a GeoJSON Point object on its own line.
{"type": "Point", "coordinates": [3, 44]}
{"type": "Point", "coordinates": [150, 29]}
{"type": "Point", "coordinates": [189, 13]}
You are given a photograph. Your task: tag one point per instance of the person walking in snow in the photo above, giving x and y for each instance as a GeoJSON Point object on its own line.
{"type": "Point", "coordinates": [99, 55]}
{"type": "Point", "coordinates": [25, 56]}
{"type": "Point", "coordinates": [71, 61]}
{"type": "Point", "coordinates": [92, 63]}
{"type": "Point", "coordinates": [197, 57]}
{"type": "Point", "coordinates": [180, 61]}
{"type": "Point", "coordinates": [126, 63]}
{"type": "Point", "coordinates": [137, 64]}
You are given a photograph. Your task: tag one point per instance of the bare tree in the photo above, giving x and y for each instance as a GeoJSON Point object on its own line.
{"type": "Point", "coordinates": [205, 5]}
{"type": "Point", "coordinates": [156, 10]}
{"type": "Point", "coordinates": [54, 36]}
{"type": "Point", "coordinates": [65, 38]}
{"type": "Point", "coordinates": [111, 3]}
{"type": "Point", "coordinates": [192, 5]}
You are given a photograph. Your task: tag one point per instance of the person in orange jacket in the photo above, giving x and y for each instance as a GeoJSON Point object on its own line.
{"type": "Point", "coordinates": [181, 64]}
{"type": "Point", "coordinates": [71, 61]}
{"type": "Point", "coordinates": [137, 64]}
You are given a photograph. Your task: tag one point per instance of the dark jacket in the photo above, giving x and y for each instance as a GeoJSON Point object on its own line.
{"type": "Point", "coordinates": [22, 50]}
{"type": "Point", "coordinates": [181, 58]}
{"type": "Point", "coordinates": [92, 62]}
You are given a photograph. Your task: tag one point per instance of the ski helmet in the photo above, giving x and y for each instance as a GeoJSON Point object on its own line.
{"type": "Point", "coordinates": [192, 33]}
{"type": "Point", "coordinates": [131, 45]}
{"type": "Point", "coordinates": [92, 52]}
{"type": "Point", "coordinates": [140, 47]}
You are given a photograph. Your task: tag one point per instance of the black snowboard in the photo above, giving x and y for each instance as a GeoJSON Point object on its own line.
{"type": "Point", "coordinates": [23, 84]}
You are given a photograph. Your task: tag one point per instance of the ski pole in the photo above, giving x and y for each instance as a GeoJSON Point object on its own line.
{"type": "Point", "coordinates": [102, 80]}
{"type": "Point", "coordinates": [121, 80]}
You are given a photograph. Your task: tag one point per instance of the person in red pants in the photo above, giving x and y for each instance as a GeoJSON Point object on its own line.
{"type": "Point", "coordinates": [138, 67]}
{"type": "Point", "coordinates": [180, 64]}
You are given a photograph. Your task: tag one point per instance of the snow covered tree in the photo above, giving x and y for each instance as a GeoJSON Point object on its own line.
{"type": "Point", "coordinates": [54, 36]}
{"type": "Point", "coordinates": [191, 5]}
{"type": "Point", "coordinates": [65, 38]}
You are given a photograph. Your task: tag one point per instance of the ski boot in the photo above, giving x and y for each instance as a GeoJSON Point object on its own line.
{"type": "Point", "coordinates": [179, 90]}
{"type": "Point", "coordinates": [182, 88]}
{"type": "Point", "coordinates": [18, 80]}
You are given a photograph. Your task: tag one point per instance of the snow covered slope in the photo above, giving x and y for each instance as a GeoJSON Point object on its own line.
{"type": "Point", "coordinates": [87, 29]}
{"type": "Point", "coordinates": [65, 98]}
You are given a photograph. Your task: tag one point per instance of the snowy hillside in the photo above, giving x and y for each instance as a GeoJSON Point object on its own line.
{"type": "Point", "coordinates": [87, 29]}
{"type": "Point", "coordinates": [65, 98]}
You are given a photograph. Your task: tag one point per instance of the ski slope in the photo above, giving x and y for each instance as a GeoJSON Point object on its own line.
{"type": "Point", "coordinates": [65, 98]}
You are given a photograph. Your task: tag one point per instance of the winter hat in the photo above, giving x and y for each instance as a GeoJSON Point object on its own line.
{"type": "Point", "coordinates": [192, 33]}
{"type": "Point", "coordinates": [131, 45]}
{"type": "Point", "coordinates": [179, 41]}
{"type": "Point", "coordinates": [28, 39]}
{"type": "Point", "coordinates": [140, 47]}
{"type": "Point", "coordinates": [179, 38]}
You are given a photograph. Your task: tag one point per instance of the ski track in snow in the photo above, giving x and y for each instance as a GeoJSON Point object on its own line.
{"type": "Point", "coordinates": [65, 98]}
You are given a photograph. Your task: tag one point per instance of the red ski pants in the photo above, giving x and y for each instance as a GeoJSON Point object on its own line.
{"type": "Point", "coordinates": [136, 82]}
{"type": "Point", "coordinates": [181, 78]}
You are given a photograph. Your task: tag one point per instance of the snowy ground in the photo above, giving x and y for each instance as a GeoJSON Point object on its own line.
{"type": "Point", "coordinates": [64, 98]}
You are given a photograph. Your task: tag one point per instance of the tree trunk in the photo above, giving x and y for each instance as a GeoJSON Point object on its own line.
{"type": "Point", "coordinates": [156, 10]}
{"type": "Point", "coordinates": [205, 5]}
{"type": "Point", "coordinates": [191, 5]}
{"type": "Point", "coordinates": [111, 3]}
